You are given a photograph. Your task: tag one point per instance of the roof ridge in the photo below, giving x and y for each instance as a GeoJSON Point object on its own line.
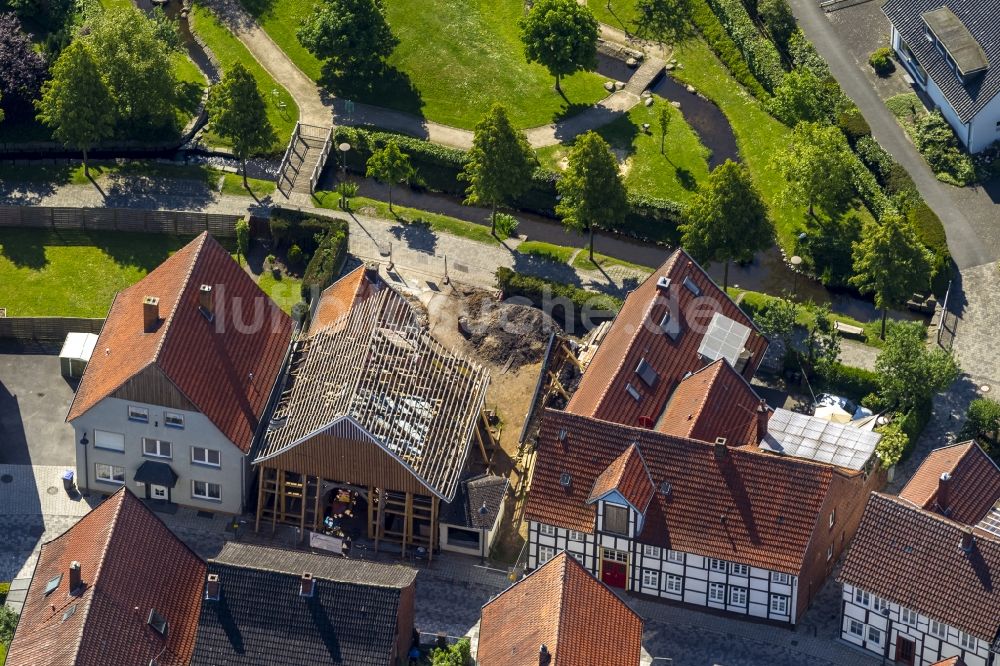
{"type": "Point", "coordinates": [564, 599]}
{"type": "Point", "coordinates": [933, 515]}
{"type": "Point", "coordinates": [201, 239]}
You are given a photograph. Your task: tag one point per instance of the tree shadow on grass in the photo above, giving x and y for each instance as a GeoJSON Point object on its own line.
{"type": "Point", "coordinates": [390, 88]}
{"type": "Point", "coordinates": [189, 96]}
{"type": "Point", "coordinates": [25, 248]}
{"type": "Point", "coordinates": [568, 110]}
{"type": "Point", "coordinates": [258, 8]}
{"type": "Point", "coordinates": [416, 233]}
{"type": "Point", "coordinates": [686, 179]}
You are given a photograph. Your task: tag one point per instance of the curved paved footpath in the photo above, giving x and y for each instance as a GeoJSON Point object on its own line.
{"type": "Point", "coordinates": [969, 246]}
{"type": "Point", "coordinates": [316, 108]}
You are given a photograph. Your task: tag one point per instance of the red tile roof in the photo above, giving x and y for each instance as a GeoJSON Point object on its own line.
{"type": "Point", "coordinates": [337, 300]}
{"type": "Point", "coordinates": [749, 507]}
{"type": "Point", "coordinates": [713, 402]}
{"type": "Point", "coordinates": [972, 491]}
{"type": "Point", "coordinates": [130, 563]}
{"type": "Point", "coordinates": [913, 558]}
{"type": "Point", "coordinates": [561, 606]}
{"type": "Point", "coordinates": [628, 475]}
{"type": "Point", "coordinates": [950, 661]}
{"type": "Point", "coordinates": [636, 335]}
{"type": "Point", "coordinates": [225, 367]}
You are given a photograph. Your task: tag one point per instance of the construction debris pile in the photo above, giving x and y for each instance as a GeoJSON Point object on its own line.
{"type": "Point", "coordinates": [505, 333]}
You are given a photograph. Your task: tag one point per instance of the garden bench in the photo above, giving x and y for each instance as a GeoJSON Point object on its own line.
{"type": "Point", "coordinates": [848, 330]}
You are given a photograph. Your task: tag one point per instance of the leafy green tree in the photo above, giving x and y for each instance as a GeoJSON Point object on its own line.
{"type": "Point", "coordinates": [459, 654]}
{"type": "Point", "coordinates": [909, 374]}
{"type": "Point", "coordinates": [242, 230]}
{"type": "Point", "coordinates": [135, 63]}
{"type": "Point", "coordinates": [890, 262]}
{"type": "Point", "coordinates": [823, 343]}
{"type": "Point", "coordinates": [726, 220]}
{"type": "Point", "coordinates": [663, 123]}
{"type": "Point", "coordinates": [779, 20]}
{"type": "Point", "coordinates": [22, 67]}
{"type": "Point", "coordinates": [663, 21]}
{"type": "Point", "coordinates": [500, 163]}
{"type": "Point", "coordinates": [982, 421]}
{"type": "Point", "coordinates": [75, 103]}
{"type": "Point", "coordinates": [591, 189]}
{"type": "Point", "coordinates": [777, 320]}
{"type": "Point", "coordinates": [237, 112]}
{"type": "Point", "coordinates": [561, 35]}
{"type": "Point", "coordinates": [816, 166]}
{"type": "Point", "coordinates": [893, 444]}
{"type": "Point", "coordinates": [351, 35]}
{"type": "Point", "coordinates": [802, 96]}
{"type": "Point", "coordinates": [8, 622]}
{"type": "Point", "coordinates": [390, 165]}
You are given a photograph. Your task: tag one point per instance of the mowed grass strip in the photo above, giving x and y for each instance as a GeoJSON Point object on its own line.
{"type": "Point", "coordinates": [454, 60]}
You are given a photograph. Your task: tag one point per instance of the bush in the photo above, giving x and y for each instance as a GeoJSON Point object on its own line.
{"type": "Point", "coordinates": [907, 107]}
{"type": "Point", "coordinates": [779, 21]}
{"type": "Point", "coordinates": [875, 158]}
{"type": "Point", "coordinates": [242, 237]}
{"type": "Point", "coordinates": [868, 189]}
{"type": "Point", "coordinates": [854, 383]}
{"type": "Point", "coordinates": [932, 235]}
{"type": "Point", "coordinates": [295, 256]}
{"type": "Point", "coordinates": [327, 261]}
{"type": "Point", "coordinates": [292, 227]}
{"type": "Point", "coordinates": [804, 54]}
{"type": "Point", "coordinates": [936, 141]}
{"type": "Point", "coordinates": [506, 225]}
{"type": "Point", "coordinates": [544, 293]}
{"type": "Point", "coordinates": [722, 44]}
{"type": "Point", "coordinates": [8, 622]}
{"type": "Point", "coordinates": [853, 124]}
{"type": "Point", "coordinates": [760, 53]}
{"type": "Point", "coordinates": [982, 421]}
{"type": "Point", "coordinates": [901, 434]}
{"type": "Point", "coordinates": [881, 61]}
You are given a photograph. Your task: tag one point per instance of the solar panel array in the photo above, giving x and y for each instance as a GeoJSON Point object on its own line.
{"type": "Point", "coordinates": [725, 339]}
{"type": "Point", "coordinates": [991, 523]}
{"type": "Point", "coordinates": [817, 439]}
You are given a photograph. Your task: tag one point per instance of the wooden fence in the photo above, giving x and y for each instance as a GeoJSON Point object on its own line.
{"type": "Point", "coordinates": [47, 329]}
{"type": "Point", "coordinates": [181, 223]}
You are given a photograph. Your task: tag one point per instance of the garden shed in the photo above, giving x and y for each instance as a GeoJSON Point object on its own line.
{"type": "Point", "coordinates": [75, 354]}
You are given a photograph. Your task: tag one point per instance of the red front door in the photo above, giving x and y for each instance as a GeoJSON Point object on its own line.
{"type": "Point", "coordinates": [613, 573]}
{"type": "Point", "coordinates": [905, 651]}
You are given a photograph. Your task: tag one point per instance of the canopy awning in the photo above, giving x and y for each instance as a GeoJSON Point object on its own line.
{"type": "Point", "coordinates": [156, 473]}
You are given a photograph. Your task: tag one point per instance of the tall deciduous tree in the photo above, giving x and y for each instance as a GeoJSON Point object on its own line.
{"type": "Point", "coordinates": [390, 165]}
{"type": "Point", "coordinates": [500, 162]}
{"type": "Point", "coordinates": [22, 68]}
{"type": "Point", "coordinates": [727, 219]}
{"type": "Point", "coordinates": [663, 123]}
{"type": "Point", "coordinates": [237, 111]}
{"type": "Point", "coordinates": [802, 96]}
{"type": "Point", "coordinates": [135, 62]}
{"type": "Point", "coordinates": [909, 374]}
{"type": "Point", "coordinates": [817, 167]}
{"type": "Point", "coordinates": [591, 190]}
{"type": "Point", "coordinates": [351, 35]}
{"type": "Point", "coordinates": [561, 35]}
{"type": "Point", "coordinates": [890, 262]}
{"type": "Point", "coordinates": [663, 21]}
{"type": "Point", "coordinates": [76, 104]}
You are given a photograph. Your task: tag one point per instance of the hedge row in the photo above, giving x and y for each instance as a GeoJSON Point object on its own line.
{"type": "Point", "coordinates": [868, 189]}
{"type": "Point", "coordinates": [848, 381]}
{"type": "Point", "coordinates": [761, 54]}
{"type": "Point", "coordinates": [292, 227]}
{"type": "Point", "coordinates": [327, 261]}
{"type": "Point", "coordinates": [724, 47]}
{"type": "Point", "coordinates": [544, 294]}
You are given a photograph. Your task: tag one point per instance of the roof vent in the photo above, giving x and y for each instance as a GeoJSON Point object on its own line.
{"type": "Point", "coordinates": [212, 587]}
{"type": "Point", "coordinates": [307, 585]}
{"type": "Point", "coordinates": [968, 541]}
{"type": "Point", "coordinates": [691, 286]}
{"type": "Point", "coordinates": [157, 622]}
{"type": "Point", "coordinates": [565, 480]}
{"type": "Point", "coordinates": [663, 282]}
{"type": "Point", "coordinates": [544, 658]}
{"type": "Point", "coordinates": [562, 435]}
{"type": "Point", "coordinates": [665, 487]}
{"type": "Point", "coordinates": [670, 325]}
{"type": "Point", "coordinates": [206, 304]}
{"type": "Point", "coordinates": [720, 448]}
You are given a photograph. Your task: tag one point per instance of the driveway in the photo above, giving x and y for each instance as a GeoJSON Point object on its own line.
{"type": "Point", "coordinates": [34, 399]}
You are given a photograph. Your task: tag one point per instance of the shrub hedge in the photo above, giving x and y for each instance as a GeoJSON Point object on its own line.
{"type": "Point", "coordinates": [804, 54]}
{"type": "Point", "coordinates": [542, 292]}
{"type": "Point", "coordinates": [881, 61]}
{"type": "Point", "coordinates": [854, 383]}
{"type": "Point", "coordinates": [724, 47]}
{"type": "Point", "coordinates": [292, 227]}
{"type": "Point", "coordinates": [760, 53]}
{"type": "Point", "coordinates": [327, 261]}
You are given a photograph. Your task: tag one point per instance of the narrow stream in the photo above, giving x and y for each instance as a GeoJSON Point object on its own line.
{"type": "Point", "coordinates": [704, 117]}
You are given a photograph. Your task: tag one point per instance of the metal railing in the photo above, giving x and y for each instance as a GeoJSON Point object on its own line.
{"type": "Point", "coordinates": [321, 162]}
{"type": "Point", "coordinates": [943, 321]}
{"type": "Point", "coordinates": [288, 156]}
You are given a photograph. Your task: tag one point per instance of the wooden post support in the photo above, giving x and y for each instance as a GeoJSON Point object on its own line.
{"type": "Point", "coordinates": [434, 530]}
{"type": "Point", "coordinates": [260, 497]}
{"type": "Point", "coordinates": [302, 507]}
{"type": "Point", "coordinates": [408, 523]}
{"type": "Point", "coordinates": [481, 423]}
{"type": "Point", "coordinates": [278, 497]}
{"type": "Point", "coordinates": [319, 491]}
{"type": "Point", "coordinates": [379, 517]}
{"type": "Point", "coordinates": [371, 513]}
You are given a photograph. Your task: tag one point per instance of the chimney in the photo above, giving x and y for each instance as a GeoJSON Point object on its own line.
{"type": "Point", "coordinates": [720, 448]}
{"type": "Point", "coordinates": [544, 658]}
{"type": "Point", "coordinates": [307, 586]}
{"type": "Point", "coordinates": [943, 493]}
{"type": "Point", "coordinates": [212, 587]}
{"type": "Point", "coordinates": [968, 541]}
{"type": "Point", "coordinates": [205, 301]}
{"type": "Point", "coordinates": [763, 415]}
{"type": "Point", "coordinates": [75, 577]}
{"type": "Point", "coordinates": [150, 313]}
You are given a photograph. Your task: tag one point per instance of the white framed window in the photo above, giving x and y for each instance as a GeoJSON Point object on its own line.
{"type": "Point", "coordinates": [651, 551]}
{"type": "Point", "coordinates": [112, 441]}
{"type": "Point", "coordinates": [968, 642]}
{"type": "Point", "coordinates": [833, 517]}
{"type": "Point", "coordinates": [738, 596]}
{"type": "Point", "coordinates": [545, 553]}
{"type": "Point", "coordinates": [779, 604]}
{"type": "Point", "coordinates": [675, 556]}
{"type": "Point", "coordinates": [173, 420]}
{"type": "Point", "coordinates": [874, 636]}
{"type": "Point", "coordinates": [857, 628]}
{"type": "Point", "coordinates": [615, 519]}
{"type": "Point", "coordinates": [781, 578]}
{"type": "Point", "coordinates": [546, 530]}
{"type": "Point", "coordinates": [206, 490]}
{"type": "Point", "coordinates": [861, 597]}
{"type": "Point", "coordinates": [717, 565]}
{"type": "Point", "coordinates": [717, 592]}
{"type": "Point", "coordinates": [614, 555]}
{"type": "Point", "coordinates": [651, 579]}
{"type": "Point", "coordinates": [938, 629]}
{"type": "Point", "coordinates": [109, 473]}
{"type": "Point", "coordinates": [739, 569]}
{"type": "Point", "coordinates": [879, 604]}
{"type": "Point", "coordinates": [672, 583]}
{"type": "Point", "coordinates": [578, 557]}
{"type": "Point", "coordinates": [576, 536]}
{"type": "Point", "coordinates": [138, 414]}
{"type": "Point", "coordinates": [908, 617]}
{"type": "Point", "coordinates": [155, 448]}
{"type": "Point", "coordinates": [202, 456]}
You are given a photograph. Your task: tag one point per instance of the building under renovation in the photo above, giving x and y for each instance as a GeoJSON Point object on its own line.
{"type": "Point", "coordinates": [374, 425]}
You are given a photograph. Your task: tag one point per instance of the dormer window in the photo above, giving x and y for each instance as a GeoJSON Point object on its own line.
{"type": "Point", "coordinates": [157, 622]}
{"type": "Point", "coordinates": [634, 392]}
{"type": "Point", "coordinates": [616, 519]}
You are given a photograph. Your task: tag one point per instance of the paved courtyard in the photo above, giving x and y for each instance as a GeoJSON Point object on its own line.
{"type": "Point", "coordinates": [34, 399]}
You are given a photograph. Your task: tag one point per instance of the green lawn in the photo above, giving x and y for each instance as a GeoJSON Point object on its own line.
{"type": "Point", "coordinates": [760, 137]}
{"type": "Point", "coordinates": [232, 183]}
{"type": "Point", "coordinates": [556, 253]}
{"type": "Point", "coordinates": [674, 175]}
{"type": "Point", "coordinates": [621, 15]}
{"type": "Point", "coordinates": [583, 262]}
{"type": "Point", "coordinates": [286, 290]}
{"type": "Point", "coordinates": [453, 62]}
{"type": "Point", "coordinates": [229, 50]}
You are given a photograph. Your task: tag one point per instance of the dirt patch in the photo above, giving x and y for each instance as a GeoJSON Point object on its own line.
{"type": "Point", "coordinates": [506, 333]}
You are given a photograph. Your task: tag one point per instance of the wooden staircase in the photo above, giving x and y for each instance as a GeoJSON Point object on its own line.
{"type": "Point", "coordinates": [305, 158]}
